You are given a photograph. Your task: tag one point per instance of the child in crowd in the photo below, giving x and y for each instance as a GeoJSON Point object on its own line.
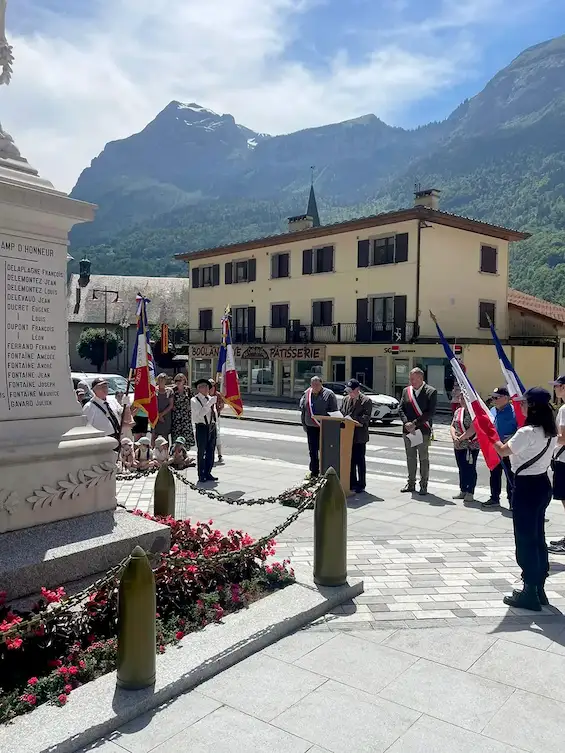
{"type": "Point", "coordinates": [220, 402]}
{"type": "Point", "coordinates": [179, 455]}
{"type": "Point", "coordinates": [161, 452]}
{"type": "Point", "coordinates": [126, 460]}
{"type": "Point", "coordinates": [143, 454]}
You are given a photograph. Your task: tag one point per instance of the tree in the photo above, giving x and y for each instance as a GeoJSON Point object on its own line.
{"type": "Point", "coordinates": [91, 346]}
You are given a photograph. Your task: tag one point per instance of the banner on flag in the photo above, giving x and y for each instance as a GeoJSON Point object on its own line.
{"type": "Point", "coordinates": [164, 338]}
{"type": "Point", "coordinates": [143, 366]}
{"type": "Point", "coordinates": [483, 422]}
{"type": "Point", "coordinates": [515, 387]}
{"type": "Point", "coordinates": [227, 376]}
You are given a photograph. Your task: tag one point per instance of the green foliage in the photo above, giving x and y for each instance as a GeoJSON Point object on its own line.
{"type": "Point", "coordinates": [94, 344]}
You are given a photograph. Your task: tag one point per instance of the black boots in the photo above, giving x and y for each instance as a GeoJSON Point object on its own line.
{"type": "Point", "coordinates": [528, 598]}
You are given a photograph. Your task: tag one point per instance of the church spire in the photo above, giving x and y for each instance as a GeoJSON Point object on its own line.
{"type": "Point", "coordinates": [312, 210]}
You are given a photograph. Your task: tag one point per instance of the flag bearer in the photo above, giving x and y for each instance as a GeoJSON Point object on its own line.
{"type": "Point", "coordinates": [530, 451]}
{"type": "Point", "coordinates": [204, 417]}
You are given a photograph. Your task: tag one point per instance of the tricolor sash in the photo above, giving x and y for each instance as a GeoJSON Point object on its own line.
{"type": "Point", "coordinates": [458, 417]}
{"type": "Point", "coordinates": [415, 405]}
{"type": "Point", "coordinates": [310, 406]}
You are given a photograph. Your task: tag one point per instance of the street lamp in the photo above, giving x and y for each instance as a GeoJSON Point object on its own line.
{"type": "Point", "coordinates": [95, 293]}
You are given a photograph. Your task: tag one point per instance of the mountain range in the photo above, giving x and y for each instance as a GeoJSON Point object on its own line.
{"type": "Point", "coordinates": [194, 179]}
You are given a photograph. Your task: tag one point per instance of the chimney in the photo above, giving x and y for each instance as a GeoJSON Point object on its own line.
{"type": "Point", "coordinates": [300, 222]}
{"type": "Point", "coordinates": [428, 198]}
{"type": "Point", "coordinates": [84, 272]}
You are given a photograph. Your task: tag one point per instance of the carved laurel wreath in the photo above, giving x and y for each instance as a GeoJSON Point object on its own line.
{"type": "Point", "coordinates": [72, 486]}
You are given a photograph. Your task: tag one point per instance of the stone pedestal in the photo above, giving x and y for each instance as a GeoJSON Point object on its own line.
{"type": "Point", "coordinates": [53, 466]}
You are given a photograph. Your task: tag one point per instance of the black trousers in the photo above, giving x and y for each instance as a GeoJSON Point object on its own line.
{"type": "Point", "coordinates": [496, 480]}
{"type": "Point", "coordinates": [313, 436]}
{"type": "Point", "coordinates": [467, 464]}
{"type": "Point", "coordinates": [532, 495]}
{"type": "Point", "coordinates": [206, 446]}
{"type": "Point", "coordinates": [358, 478]}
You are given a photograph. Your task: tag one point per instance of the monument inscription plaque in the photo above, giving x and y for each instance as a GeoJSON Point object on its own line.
{"type": "Point", "coordinates": [35, 378]}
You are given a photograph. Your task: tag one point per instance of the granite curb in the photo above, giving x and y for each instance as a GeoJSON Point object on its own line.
{"type": "Point", "coordinates": [100, 707]}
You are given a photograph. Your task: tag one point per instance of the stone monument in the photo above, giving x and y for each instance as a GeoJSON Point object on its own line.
{"type": "Point", "coordinates": [58, 518]}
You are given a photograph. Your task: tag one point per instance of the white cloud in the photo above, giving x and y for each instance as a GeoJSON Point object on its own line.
{"type": "Point", "coordinates": [79, 83]}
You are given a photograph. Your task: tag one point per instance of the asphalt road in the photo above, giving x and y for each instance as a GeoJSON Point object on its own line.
{"type": "Point", "coordinates": [385, 455]}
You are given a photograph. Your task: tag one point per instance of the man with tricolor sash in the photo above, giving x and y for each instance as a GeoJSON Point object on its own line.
{"type": "Point", "coordinates": [417, 409]}
{"type": "Point", "coordinates": [316, 401]}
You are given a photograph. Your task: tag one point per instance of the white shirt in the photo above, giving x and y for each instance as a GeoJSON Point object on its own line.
{"type": "Point", "coordinates": [420, 388]}
{"type": "Point", "coordinates": [560, 421]}
{"type": "Point", "coordinates": [528, 442]}
{"type": "Point", "coordinates": [99, 418]}
{"type": "Point", "coordinates": [201, 407]}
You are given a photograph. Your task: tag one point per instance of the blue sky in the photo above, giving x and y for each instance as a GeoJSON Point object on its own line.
{"type": "Point", "coordinates": [90, 71]}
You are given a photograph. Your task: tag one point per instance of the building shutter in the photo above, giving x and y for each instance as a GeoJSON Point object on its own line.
{"type": "Point", "coordinates": [216, 274]}
{"type": "Point", "coordinates": [363, 253]}
{"type": "Point", "coordinates": [284, 265]}
{"type": "Point", "coordinates": [399, 318]}
{"type": "Point", "coordinates": [229, 273]}
{"type": "Point", "coordinates": [196, 277]}
{"type": "Point", "coordinates": [401, 249]}
{"type": "Point", "coordinates": [251, 270]}
{"type": "Point", "coordinates": [251, 322]}
{"type": "Point", "coordinates": [307, 261]}
{"type": "Point", "coordinates": [317, 313]}
{"type": "Point", "coordinates": [363, 326]}
{"type": "Point", "coordinates": [274, 266]}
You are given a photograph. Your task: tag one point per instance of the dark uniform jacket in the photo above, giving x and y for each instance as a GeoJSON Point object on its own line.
{"type": "Point", "coordinates": [360, 410]}
{"type": "Point", "coordinates": [427, 400]}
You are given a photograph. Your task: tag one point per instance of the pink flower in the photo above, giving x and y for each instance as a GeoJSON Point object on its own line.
{"type": "Point", "coordinates": [52, 597]}
{"type": "Point", "coordinates": [13, 643]}
{"type": "Point", "coordinates": [63, 671]}
{"type": "Point", "coordinates": [82, 664]}
{"type": "Point", "coordinates": [179, 635]}
{"type": "Point", "coordinates": [73, 670]}
{"type": "Point", "coordinates": [62, 699]}
{"type": "Point", "coordinates": [32, 681]}
{"type": "Point", "coordinates": [30, 698]}
{"type": "Point", "coordinates": [219, 611]}
{"type": "Point", "coordinates": [68, 689]}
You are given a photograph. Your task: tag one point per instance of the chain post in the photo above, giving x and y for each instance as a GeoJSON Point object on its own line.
{"type": "Point", "coordinates": [330, 533]}
{"type": "Point", "coordinates": [137, 637]}
{"type": "Point", "coordinates": [164, 493]}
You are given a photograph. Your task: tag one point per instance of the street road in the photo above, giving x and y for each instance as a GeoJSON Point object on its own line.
{"type": "Point", "coordinates": [385, 455]}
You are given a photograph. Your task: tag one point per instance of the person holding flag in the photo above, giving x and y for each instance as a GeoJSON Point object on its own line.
{"type": "Point", "coordinates": [143, 368]}
{"type": "Point", "coordinates": [227, 376]}
{"type": "Point", "coordinates": [506, 425]}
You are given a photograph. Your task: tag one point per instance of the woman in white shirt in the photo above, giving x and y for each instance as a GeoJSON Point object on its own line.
{"type": "Point", "coordinates": [530, 451]}
{"type": "Point", "coordinates": [558, 546]}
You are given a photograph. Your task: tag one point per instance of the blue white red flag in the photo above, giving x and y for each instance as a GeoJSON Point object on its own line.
{"type": "Point", "coordinates": [515, 387]}
{"type": "Point", "coordinates": [483, 422]}
{"type": "Point", "coordinates": [226, 372]}
{"type": "Point", "coordinates": [143, 366]}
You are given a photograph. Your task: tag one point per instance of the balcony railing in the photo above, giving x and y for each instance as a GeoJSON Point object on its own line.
{"type": "Point", "coordinates": [528, 329]}
{"type": "Point", "coordinates": [369, 332]}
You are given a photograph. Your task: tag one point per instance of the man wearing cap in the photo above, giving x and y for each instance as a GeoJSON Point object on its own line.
{"type": "Point", "coordinates": [558, 546]}
{"type": "Point", "coordinates": [98, 411]}
{"type": "Point", "coordinates": [316, 401]}
{"type": "Point", "coordinates": [203, 409]}
{"type": "Point", "coordinates": [506, 426]}
{"type": "Point", "coordinates": [358, 407]}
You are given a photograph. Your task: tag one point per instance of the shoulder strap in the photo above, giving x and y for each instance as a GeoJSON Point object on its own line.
{"type": "Point", "coordinates": [532, 461]}
{"type": "Point", "coordinates": [559, 452]}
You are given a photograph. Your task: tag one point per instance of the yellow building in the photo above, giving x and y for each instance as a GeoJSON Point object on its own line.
{"type": "Point", "coordinates": [352, 299]}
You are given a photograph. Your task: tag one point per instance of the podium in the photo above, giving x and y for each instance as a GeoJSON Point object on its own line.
{"type": "Point", "coordinates": [336, 441]}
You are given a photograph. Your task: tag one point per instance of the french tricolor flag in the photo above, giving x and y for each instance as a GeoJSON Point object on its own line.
{"type": "Point", "coordinates": [480, 415]}
{"type": "Point", "coordinates": [515, 387]}
{"type": "Point", "coordinates": [226, 372]}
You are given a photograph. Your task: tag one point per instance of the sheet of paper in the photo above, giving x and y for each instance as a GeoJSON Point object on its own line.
{"type": "Point", "coordinates": [335, 414]}
{"type": "Point", "coordinates": [415, 438]}
{"type": "Point", "coordinates": [349, 418]}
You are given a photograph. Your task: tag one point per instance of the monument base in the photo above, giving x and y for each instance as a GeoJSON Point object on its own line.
{"type": "Point", "coordinates": [53, 554]}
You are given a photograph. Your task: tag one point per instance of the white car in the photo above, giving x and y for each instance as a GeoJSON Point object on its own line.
{"type": "Point", "coordinates": [116, 383]}
{"type": "Point", "coordinates": [386, 409]}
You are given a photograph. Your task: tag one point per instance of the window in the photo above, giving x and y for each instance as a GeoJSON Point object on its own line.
{"type": "Point", "coordinates": [391, 249]}
{"type": "Point", "coordinates": [205, 319]}
{"type": "Point", "coordinates": [489, 259]}
{"type": "Point", "coordinates": [243, 323]}
{"type": "Point", "coordinates": [279, 315]}
{"type": "Point", "coordinates": [240, 271]}
{"type": "Point", "coordinates": [322, 313]}
{"type": "Point", "coordinates": [486, 311]}
{"type": "Point", "coordinates": [382, 312]}
{"type": "Point", "coordinates": [280, 265]}
{"type": "Point", "coordinates": [318, 260]}
{"type": "Point", "coordinates": [205, 277]}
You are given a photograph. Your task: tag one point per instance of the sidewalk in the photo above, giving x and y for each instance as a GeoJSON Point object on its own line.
{"type": "Point", "coordinates": [427, 660]}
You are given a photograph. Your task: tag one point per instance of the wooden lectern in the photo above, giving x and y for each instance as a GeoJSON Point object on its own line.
{"type": "Point", "coordinates": [336, 441]}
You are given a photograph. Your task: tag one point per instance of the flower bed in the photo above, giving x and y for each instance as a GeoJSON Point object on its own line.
{"type": "Point", "coordinates": [204, 576]}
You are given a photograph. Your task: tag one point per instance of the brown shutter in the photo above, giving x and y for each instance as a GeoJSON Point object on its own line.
{"type": "Point", "coordinates": [251, 270]}
{"type": "Point", "coordinates": [274, 266]}
{"type": "Point", "coordinates": [228, 273]}
{"type": "Point", "coordinates": [284, 267]}
{"type": "Point", "coordinates": [196, 277]}
{"type": "Point", "coordinates": [216, 274]}
{"type": "Point", "coordinates": [401, 250]}
{"type": "Point", "coordinates": [317, 313]}
{"type": "Point", "coordinates": [251, 322]}
{"type": "Point", "coordinates": [363, 253]}
{"type": "Point", "coordinates": [399, 317]}
{"type": "Point", "coordinates": [363, 327]}
{"type": "Point", "coordinates": [307, 261]}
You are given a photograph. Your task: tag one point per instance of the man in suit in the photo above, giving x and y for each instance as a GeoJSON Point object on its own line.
{"type": "Point", "coordinates": [316, 401]}
{"type": "Point", "coordinates": [417, 409]}
{"type": "Point", "coordinates": [359, 407]}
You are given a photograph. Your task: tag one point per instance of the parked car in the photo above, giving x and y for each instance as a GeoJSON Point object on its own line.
{"type": "Point", "coordinates": [386, 409]}
{"type": "Point", "coordinates": [116, 382]}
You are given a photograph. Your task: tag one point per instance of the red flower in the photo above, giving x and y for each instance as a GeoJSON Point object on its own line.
{"type": "Point", "coordinates": [82, 664]}
{"type": "Point", "coordinates": [52, 597]}
{"type": "Point", "coordinates": [219, 611]}
{"type": "Point", "coordinates": [32, 681]}
{"type": "Point", "coordinates": [68, 688]}
{"type": "Point", "coordinates": [13, 643]}
{"type": "Point", "coordinates": [73, 670]}
{"type": "Point", "coordinates": [179, 635]}
{"type": "Point", "coordinates": [62, 699]}
{"type": "Point", "coordinates": [54, 663]}
{"type": "Point", "coordinates": [30, 698]}
{"type": "Point", "coordinates": [63, 671]}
